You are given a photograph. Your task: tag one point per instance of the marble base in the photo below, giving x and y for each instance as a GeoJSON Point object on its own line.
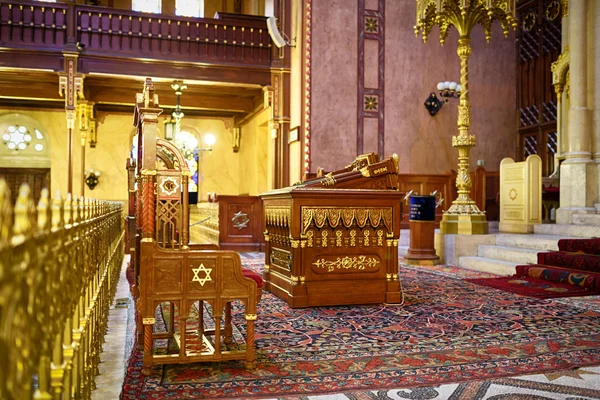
{"type": "Point", "coordinates": [469, 224]}
{"type": "Point", "coordinates": [578, 189]}
{"type": "Point", "coordinates": [450, 247]}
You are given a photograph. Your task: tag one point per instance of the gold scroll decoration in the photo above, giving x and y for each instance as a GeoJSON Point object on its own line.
{"type": "Point", "coordinates": [348, 216]}
{"type": "Point", "coordinates": [346, 264]}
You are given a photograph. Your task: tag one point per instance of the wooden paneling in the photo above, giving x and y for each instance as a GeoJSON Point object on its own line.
{"type": "Point", "coordinates": [36, 178]}
{"type": "Point", "coordinates": [425, 185]}
{"type": "Point", "coordinates": [241, 223]}
{"type": "Point", "coordinates": [484, 191]}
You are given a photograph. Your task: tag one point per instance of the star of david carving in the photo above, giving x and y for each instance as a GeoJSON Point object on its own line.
{"type": "Point", "coordinates": [206, 278]}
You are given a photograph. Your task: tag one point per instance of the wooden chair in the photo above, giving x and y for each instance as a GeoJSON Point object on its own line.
{"type": "Point", "coordinates": [168, 272]}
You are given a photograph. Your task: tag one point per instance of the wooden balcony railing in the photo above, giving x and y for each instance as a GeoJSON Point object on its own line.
{"type": "Point", "coordinates": [33, 24]}
{"type": "Point", "coordinates": [119, 33]}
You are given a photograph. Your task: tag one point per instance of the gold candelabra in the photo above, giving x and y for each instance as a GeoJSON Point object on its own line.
{"type": "Point", "coordinates": [464, 216]}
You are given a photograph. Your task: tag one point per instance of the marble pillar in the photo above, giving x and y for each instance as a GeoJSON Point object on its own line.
{"type": "Point", "coordinates": [579, 172]}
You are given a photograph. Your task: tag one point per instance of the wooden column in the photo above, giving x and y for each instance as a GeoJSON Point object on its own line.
{"type": "Point", "coordinates": [71, 87]}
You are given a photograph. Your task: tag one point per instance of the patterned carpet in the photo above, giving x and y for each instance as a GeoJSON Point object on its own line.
{"type": "Point", "coordinates": [448, 330]}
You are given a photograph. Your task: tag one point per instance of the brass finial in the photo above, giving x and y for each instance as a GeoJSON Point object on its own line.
{"type": "Point", "coordinates": [58, 220]}
{"type": "Point", "coordinates": [25, 218]}
{"type": "Point", "coordinates": [44, 212]}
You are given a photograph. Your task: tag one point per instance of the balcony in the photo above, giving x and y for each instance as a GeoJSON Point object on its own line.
{"type": "Point", "coordinates": [231, 48]}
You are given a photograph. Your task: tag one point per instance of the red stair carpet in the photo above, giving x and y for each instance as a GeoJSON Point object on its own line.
{"type": "Point", "coordinates": [574, 270]}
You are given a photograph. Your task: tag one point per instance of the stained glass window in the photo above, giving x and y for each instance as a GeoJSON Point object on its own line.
{"type": "Point", "coordinates": [19, 138]}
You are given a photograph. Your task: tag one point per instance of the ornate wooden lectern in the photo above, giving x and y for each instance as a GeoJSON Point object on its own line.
{"type": "Point", "coordinates": [334, 240]}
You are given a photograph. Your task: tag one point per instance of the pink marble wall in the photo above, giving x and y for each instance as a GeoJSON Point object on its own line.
{"type": "Point", "coordinates": [334, 83]}
{"type": "Point", "coordinates": [412, 71]}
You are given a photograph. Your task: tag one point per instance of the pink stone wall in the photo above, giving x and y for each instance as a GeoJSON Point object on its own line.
{"type": "Point", "coordinates": [334, 83]}
{"type": "Point", "coordinates": [412, 71]}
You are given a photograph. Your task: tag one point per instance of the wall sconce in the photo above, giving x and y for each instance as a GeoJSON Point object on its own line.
{"type": "Point", "coordinates": [447, 90]}
{"type": "Point", "coordinates": [209, 140]}
{"type": "Point", "coordinates": [91, 179]}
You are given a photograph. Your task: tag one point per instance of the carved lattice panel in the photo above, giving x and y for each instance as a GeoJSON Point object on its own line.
{"type": "Point", "coordinates": [168, 223]}
{"type": "Point", "coordinates": [529, 145]}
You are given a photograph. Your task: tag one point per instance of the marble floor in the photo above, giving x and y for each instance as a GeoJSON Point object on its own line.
{"type": "Point", "coordinates": [577, 384]}
{"type": "Point", "coordinates": [112, 359]}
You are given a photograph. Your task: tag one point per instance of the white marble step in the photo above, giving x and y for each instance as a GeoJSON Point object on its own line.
{"type": "Point", "coordinates": [587, 219]}
{"type": "Point", "coordinates": [538, 242]}
{"type": "Point", "coordinates": [567, 230]}
{"type": "Point", "coordinates": [511, 254]}
{"type": "Point", "coordinates": [492, 266]}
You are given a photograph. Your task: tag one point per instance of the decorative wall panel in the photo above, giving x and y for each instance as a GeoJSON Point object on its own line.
{"type": "Point", "coordinates": [371, 72]}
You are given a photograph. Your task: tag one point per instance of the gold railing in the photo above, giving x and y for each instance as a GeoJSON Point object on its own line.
{"type": "Point", "coordinates": [59, 268]}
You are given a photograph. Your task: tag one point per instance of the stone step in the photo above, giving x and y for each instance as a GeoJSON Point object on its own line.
{"type": "Point", "coordinates": [587, 219]}
{"type": "Point", "coordinates": [537, 242]}
{"type": "Point", "coordinates": [492, 266]}
{"type": "Point", "coordinates": [511, 254]}
{"type": "Point", "coordinates": [567, 230]}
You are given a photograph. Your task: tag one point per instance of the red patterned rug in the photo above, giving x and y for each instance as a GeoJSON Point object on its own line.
{"type": "Point", "coordinates": [448, 330]}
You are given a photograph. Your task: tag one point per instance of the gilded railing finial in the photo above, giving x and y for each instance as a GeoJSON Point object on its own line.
{"type": "Point", "coordinates": [44, 211]}
{"type": "Point", "coordinates": [68, 210]}
{"type": "Point", "coordinates": [58, 221]}
{"type": "Point", "coordinates": [5, 214]}
{"type": "Point", "coordinates": [82, 216]}
{"type": "Point", "coordinates": [25, 219]}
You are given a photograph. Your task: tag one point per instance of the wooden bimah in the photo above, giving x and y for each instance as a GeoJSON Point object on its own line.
{"type": "Point", "coordinates": [333, 240]}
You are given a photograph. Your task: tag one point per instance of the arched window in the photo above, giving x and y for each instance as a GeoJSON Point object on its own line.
{"type": "Point", "coordinates": [149, 6]}
{"type": "Point", "coordinates": [21, 139]}
{"type": "Point", "coordinates": [189, 8]}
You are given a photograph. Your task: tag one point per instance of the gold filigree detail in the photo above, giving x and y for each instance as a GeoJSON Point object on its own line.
{"type": "Point", "coordinates": [380, 238]}
{"type": "Point", "coordinates": [359, 263]}
{"type": "Point", "coordinates": [512, 194]}
{"type": "Point", "coordinates": [367, 240]}
{"type": "Point", "coordinates": [328, 180]}
{"type": "Point", "coordinates": [148, 321]}
{"type": "Point", "coordinates": [349, 216]}
{"type": "Point", "coordinates": [352, 238]}
{"type": "Point", "coordinates": [338, 238]}
{"type": "Point", "coordinates": [250, 317]}
{"type": "Point", "coordinates": [324, 237]}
